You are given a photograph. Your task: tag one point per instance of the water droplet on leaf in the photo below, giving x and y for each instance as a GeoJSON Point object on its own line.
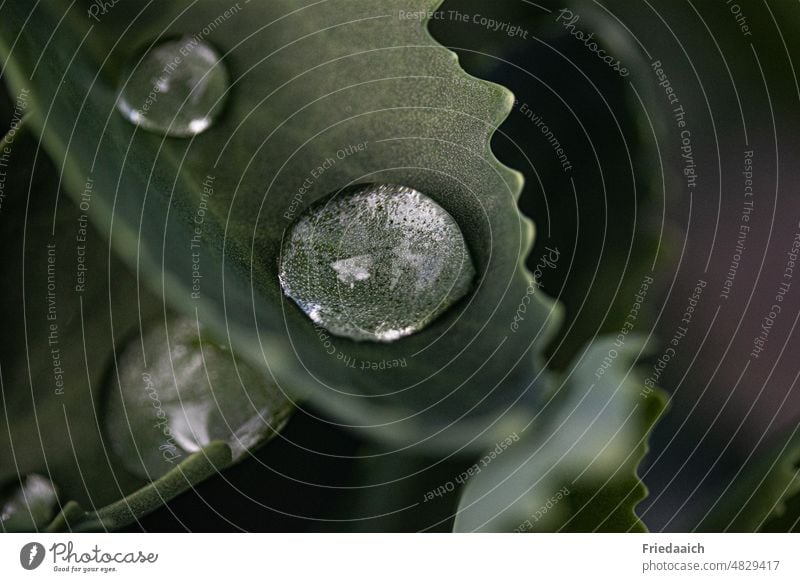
{"type": "Point", "coordinates": [375, 262]}
{"type": "Point", "coordinates": [187, 398]}
{"type": "Point", "coordinates": [177, 88]}
{"type": "Point", "coordinates": [29, 505]}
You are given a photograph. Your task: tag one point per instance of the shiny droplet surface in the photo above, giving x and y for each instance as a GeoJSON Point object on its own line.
{"type": "Point", "coordinates": [176, 88]}
{"type": "Point", "coordinates": [375, 262]}
{"type": "Point", "coordinates": [28, 505]}
{"type": "Point", "coordinates": [191, 393]}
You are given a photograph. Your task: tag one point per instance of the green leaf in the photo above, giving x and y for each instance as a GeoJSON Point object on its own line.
{"type": "Point", "coordinates": [196, 468]}
{"type": "Point", "coordinates": [576, 471]}
{"type": "Point", "coordinates": [606, 233]}
{"type": "Point", "coordinates": [763, 496]}
{"type": "Point", "coordinates": [310, 82]}
{"type": "Point", "coordinates": [186, 393]}
{"type": "Point", "coordinates": [58, 344]}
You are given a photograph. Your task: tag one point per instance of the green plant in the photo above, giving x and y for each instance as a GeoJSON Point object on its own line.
{"type": "Point", "coordinates": [291, 106]}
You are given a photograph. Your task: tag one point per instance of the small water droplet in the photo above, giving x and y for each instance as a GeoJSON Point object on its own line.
{"type": "Point", "coordinates": [375, 262]}
{"type": "Point", "coordinates": [186, 399]}
{"type": "Point", "coordinates": [177, 88]}
{"type": "Point", "coordinates": [28, 505]}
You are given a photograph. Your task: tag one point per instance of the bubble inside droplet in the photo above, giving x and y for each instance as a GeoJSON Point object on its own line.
{"type": "Point", "coordinates": [185, 398]}
{"type": "Point", "coordinates": [28, 505]}
{"type": "Point", "coordinates": [375, 262]}
{"type": "Point", "coordinates": [177, 88]}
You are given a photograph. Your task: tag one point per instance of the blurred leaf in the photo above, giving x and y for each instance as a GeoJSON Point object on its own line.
{"type": "Point", "coordinates": [309, 82]}
{"type": "Point", "coordinates": [58, 344]}
{"type": "Point", "coordinates": [29, 505]}
{"type": "Point", "coordinates": [577, 471]}
{"type": "Point", "coordinates": [67, 309]}
{"type": "Point", "coordinates": [196, 468]}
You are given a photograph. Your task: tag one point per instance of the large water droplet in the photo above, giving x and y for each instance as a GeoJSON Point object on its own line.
{"type": "Point", "coordinates": [186, 398]}
{"type": "Point", "coordinates": [28, 505]}
{"type": "Point", "coordinates": [375, 262]}
{"type": "Point", "coordinates": [177, 88]}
